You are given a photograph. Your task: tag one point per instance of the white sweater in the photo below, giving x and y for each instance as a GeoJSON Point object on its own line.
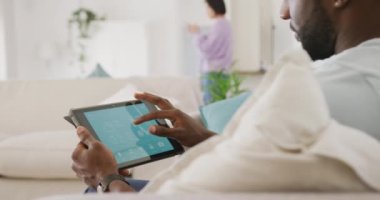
{"type": "Point", "coordinates": [281, 139]}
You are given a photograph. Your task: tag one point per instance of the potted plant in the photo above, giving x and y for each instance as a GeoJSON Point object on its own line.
{"type": "Point", "coordinates": [83, 21]}
{"type": "Point", "coordinates": [224, 85]}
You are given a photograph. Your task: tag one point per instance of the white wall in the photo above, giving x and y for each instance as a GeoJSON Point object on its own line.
{"type": "Point", "coordinates": [3, 68]}
{"type": "Point", "coordinates": [245, 17]}
{"type": "Point", "coordinates": [117, 54]}
{"type": "Point", "coordinates": [190, 11]}
{"type": "Point", "coordinates": [34, 27]}
{"type": "Point", "coordinates": [42, 24]}
{"type": "Point", "coordinates": [37, 25]}
{"type": "Point", "coordinates": [283, 37]}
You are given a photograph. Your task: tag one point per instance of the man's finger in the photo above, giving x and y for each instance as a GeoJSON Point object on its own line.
{"type": "Point", "coordinates": [89, 179]}
{"type": "Point", "coordinates": [165, 132]}
{"type": "Point", "coordinates": [75, 168]}
{"type": "Point", "coordinates": [85, 136]}
{"type": "Point", "coordinates": [81, 172]}
{"type": "Point", "coordinates": [125, 172]}
{"type": "Point", "coordinates": [78, 152]}
{"type": "Point", "coordinates": [162, 114]}
{"type": "Point", "coordinates": [162, 103]}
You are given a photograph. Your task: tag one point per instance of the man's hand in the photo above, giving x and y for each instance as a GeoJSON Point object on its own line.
{"type": "Point", "coordinates": [185, 130]}
{"type": "Point", "coordinates": [92, 161]}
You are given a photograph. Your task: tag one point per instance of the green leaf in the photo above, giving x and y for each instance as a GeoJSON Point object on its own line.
{"type": "Point", "coordinates": [223, 85]}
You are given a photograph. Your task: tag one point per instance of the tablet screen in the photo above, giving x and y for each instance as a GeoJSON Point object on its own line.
{"type": "Point", "coordinates": [129, 143]}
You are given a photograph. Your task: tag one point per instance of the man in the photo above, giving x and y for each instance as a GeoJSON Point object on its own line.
{"type": "Point", "coordinates": [350, 29]}
{"type": "Point", "coordinates": [350, 79]}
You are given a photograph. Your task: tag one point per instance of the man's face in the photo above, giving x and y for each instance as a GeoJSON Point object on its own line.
{"type": "Point", "coordinates": [312, 26]}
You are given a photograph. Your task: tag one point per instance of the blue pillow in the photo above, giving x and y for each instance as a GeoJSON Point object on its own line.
{"type": "Point", "coordinates": [216, 116]}
{"type": "Point", "coordinates": [99, 72]}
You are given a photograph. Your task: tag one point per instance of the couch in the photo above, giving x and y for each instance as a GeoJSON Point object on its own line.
{"type": "Point", "coordinates": [32, 111]}
{"type": "Point", "coordinates": [278, 196]}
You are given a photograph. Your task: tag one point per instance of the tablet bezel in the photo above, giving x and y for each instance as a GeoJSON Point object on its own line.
{"type": "Point", "coordinates": [79, 119]}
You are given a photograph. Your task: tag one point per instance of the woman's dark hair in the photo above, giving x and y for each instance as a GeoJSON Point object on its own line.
{"type": "Point", "coordinates": [218, 6]}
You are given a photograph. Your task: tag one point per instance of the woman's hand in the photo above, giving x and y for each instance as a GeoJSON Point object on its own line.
{"type": "Point", "coordinates": [193, 28]}
{"type": "Point", "coordinates": [185, 129]}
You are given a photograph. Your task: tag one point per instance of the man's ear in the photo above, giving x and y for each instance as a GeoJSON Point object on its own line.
{"type": "Point", "coordinates": [341, 3]}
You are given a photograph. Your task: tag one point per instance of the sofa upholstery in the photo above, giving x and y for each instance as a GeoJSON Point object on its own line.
{"type": "Point", "coordinates": [28, 107]}
{"type": "Point", "coordinates": [32, 106]}
{"type": "Point", "coordinates": [275, 196]}
{"type": "Point", "coordinates": [40, 105]}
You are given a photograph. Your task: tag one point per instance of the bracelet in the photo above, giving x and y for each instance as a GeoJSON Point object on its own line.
{"type": "Point", "coordinates": [106, 182]}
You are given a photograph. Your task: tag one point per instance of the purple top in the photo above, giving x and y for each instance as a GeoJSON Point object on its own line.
{"type": "Point", "coordinates": [216, 47]}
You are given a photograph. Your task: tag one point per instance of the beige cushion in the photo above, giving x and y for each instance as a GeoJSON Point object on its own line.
{"type": "Point", "coordinates": [48, 154]}
{"type": "Point", "coordinates": [22, 101]}
{"type": "Point", "coordinates": [281, 139]}
{"type": "Point", "coordinates": [30, 106]}
{"type": "Point", "coordinates": [278, 196]}
{"type": "Point", "coordinates": [38, 155]}
{"type": "Point", "coordinates": [4, 136]}
{"type": "Point", "coordinates": [124, 94]}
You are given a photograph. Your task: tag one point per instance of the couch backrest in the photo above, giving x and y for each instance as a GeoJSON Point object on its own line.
{"type": "Point", "coordinates": [40, 105]}
{"type": "Point", "coordinates": [27, 106]}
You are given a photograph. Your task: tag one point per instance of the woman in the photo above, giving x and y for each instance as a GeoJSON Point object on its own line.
{"type": "Point", "coordinates": [215, 47]}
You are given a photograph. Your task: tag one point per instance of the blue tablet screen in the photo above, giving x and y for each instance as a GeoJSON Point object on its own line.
{"type": "Point", "coordinates": [128, 142]}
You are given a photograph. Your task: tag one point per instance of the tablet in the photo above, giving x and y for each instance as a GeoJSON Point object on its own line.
{"type": "Point", "coordinates": [132, 145]}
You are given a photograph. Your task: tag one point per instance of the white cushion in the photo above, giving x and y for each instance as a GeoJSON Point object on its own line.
{"type": "Point", "coordinates": [124, 94]}
{"type": "Point", "coordinates": [281, 139]}
{"type": "Point", "coordinates": [38, 155]}
{"type": "Point", "coordinates": [4, 136]}
{"type": "Point", "coordinates": [127, 93]}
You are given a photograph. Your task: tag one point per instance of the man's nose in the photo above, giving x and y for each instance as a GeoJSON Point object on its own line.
{"type": "Point", "coordinates": [285, 13]}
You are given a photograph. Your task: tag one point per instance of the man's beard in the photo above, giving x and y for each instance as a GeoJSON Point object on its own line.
{"type": "Point", "coordinates": [318, 36]}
